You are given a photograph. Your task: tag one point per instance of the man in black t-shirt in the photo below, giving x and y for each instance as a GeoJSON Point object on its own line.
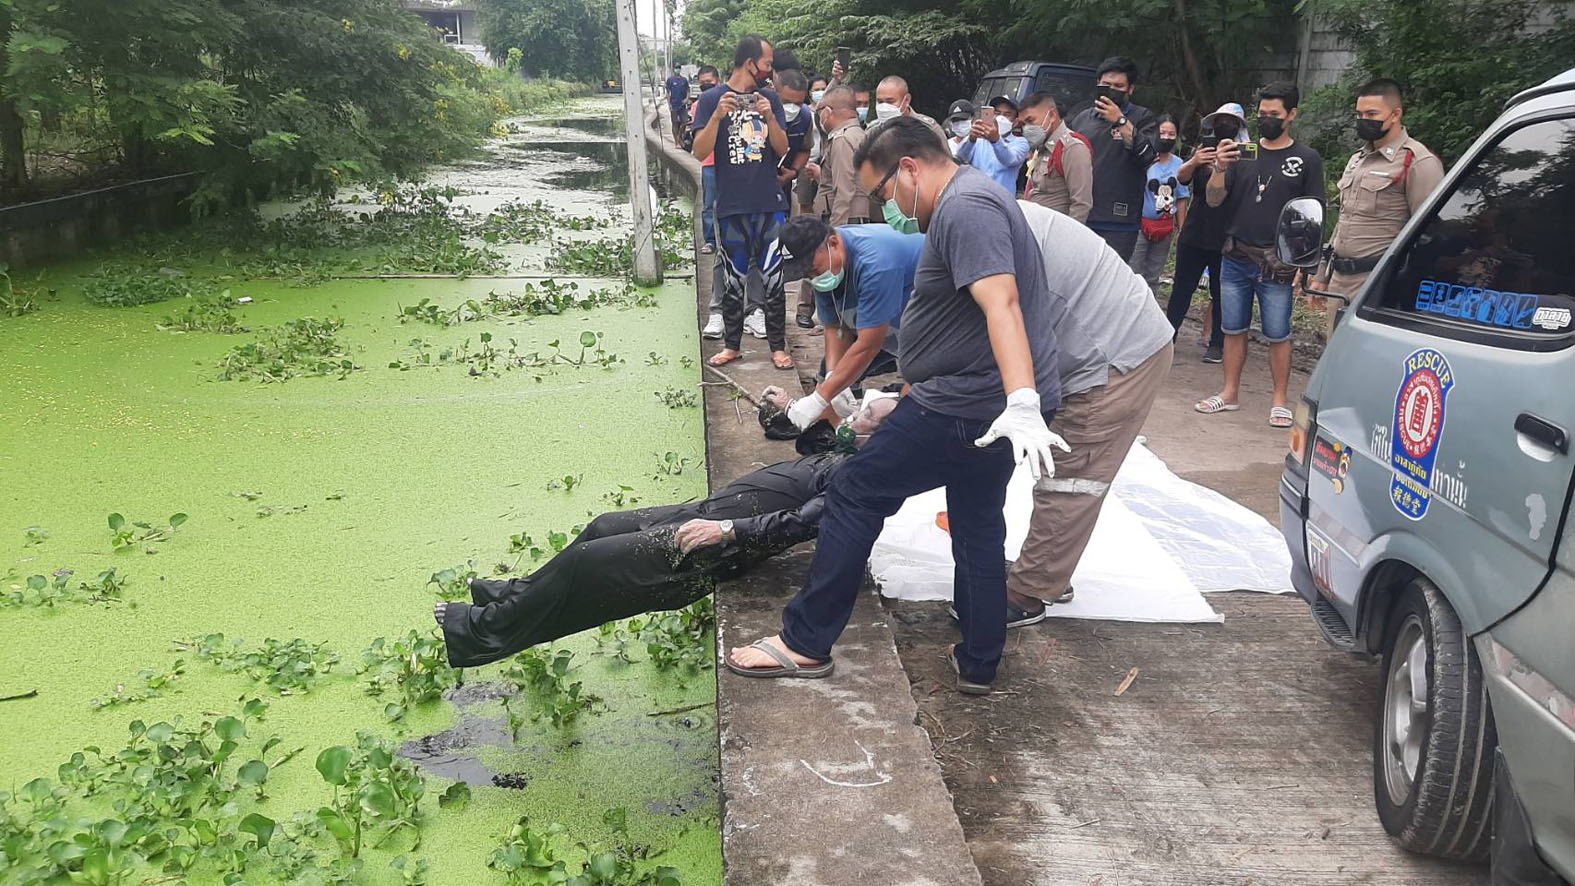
{"type": "Point", "coordinates": [1254, 186]}
{"type": "Point", "coordinates": [744, 123]}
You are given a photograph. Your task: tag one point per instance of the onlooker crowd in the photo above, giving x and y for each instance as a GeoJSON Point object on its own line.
{"type": "Point", "coordinates": [1059, 229]}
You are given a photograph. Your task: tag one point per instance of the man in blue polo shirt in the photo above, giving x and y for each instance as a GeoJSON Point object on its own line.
{"type": "Point", "coordinates": [677, 92]}
{"type": "Point", "coordinates": [862, 275]}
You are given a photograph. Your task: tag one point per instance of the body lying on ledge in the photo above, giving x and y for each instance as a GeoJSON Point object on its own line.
{"type": "Point", "coordinates": [629, 562]}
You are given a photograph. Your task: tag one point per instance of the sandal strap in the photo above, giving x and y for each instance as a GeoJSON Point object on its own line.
{"type": "Point", "coordinates": [764, 645]}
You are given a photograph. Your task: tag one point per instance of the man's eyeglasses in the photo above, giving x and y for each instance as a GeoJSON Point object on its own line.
{"type": "Point", "coordinates": [878, 195]}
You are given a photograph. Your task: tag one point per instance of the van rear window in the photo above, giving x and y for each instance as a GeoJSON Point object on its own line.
{"type": "Point", "coordinates": [1493, 262]}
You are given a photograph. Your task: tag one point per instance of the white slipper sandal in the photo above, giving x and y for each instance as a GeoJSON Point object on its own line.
{"type": "Point", "coordinates": [1214, 404]}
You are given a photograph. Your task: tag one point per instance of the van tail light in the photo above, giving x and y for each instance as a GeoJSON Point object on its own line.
{"type": "Point", "coordinates": [1302, 424]}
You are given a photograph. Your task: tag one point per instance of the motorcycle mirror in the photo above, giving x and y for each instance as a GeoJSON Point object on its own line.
{"type": "Point", "coordinates": [1299, 234]}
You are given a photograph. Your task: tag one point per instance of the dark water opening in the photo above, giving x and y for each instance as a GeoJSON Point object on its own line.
{"type": "Point", "coordinates": [611, 175]}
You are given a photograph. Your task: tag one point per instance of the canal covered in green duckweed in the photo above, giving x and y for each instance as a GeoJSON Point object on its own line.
{"type": "Point", "coordinates": [427, 443]}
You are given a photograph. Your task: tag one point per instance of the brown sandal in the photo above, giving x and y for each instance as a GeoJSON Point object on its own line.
{"type": "Point", "coordinates": [782, 360]}
{"type": "Point", "coordinates": [724, 357]}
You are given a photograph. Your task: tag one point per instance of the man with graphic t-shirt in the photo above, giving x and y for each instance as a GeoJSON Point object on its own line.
{"type": "Point", "coordinates": [749, 143]}
{"type": "Point", "coordinates": [1256, 189]}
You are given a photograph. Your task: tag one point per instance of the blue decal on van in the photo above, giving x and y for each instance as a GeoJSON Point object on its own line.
{"type": "Point", "coordinates": [1417, 430]}
{"type": "Point", "coordinates": [1489, 307]}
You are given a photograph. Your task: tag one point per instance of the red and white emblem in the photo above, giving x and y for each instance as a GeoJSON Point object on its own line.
{"type": "Point", "coordinates": [1421, 413]}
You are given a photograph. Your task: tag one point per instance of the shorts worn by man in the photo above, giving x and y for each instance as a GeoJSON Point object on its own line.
{"type": "Point", "coordinates": [982, 360]}
{"type": "Point", "coordinates": [1115, 357]}
{"type": "Point", "coordinates": [629, 562]}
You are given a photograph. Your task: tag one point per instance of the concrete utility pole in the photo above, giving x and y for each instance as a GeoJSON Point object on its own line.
{"type": "Point", "coordinates": [647, 269]}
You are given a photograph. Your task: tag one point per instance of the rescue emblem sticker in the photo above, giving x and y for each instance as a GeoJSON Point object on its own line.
{"type": "Point", "coordinates": [1417, 430]}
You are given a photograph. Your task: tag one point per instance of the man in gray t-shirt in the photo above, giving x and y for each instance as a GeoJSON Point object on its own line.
{"type": "Point", "coordinates": [980, 349]}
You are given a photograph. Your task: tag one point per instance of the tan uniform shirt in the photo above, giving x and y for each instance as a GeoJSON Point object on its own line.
{"type": "Point", "coordinates": [1069, 191]}
{"type": "Point", "coordinates": [926, 120]}
{"type": "Point", "coordinates": [841, 195]}
{"type": "Point", "coordinates": [1379, 192]}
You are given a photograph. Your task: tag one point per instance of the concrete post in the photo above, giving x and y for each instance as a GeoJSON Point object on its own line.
{"type": "Point", "coordinates": [647, 269]}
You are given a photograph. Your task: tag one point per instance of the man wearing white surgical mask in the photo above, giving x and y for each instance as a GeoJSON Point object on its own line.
{"type": "Point", "coordinates": [892, 100]}
{"type": "Point", "coordinates": [861, 275]}
{"type": "Point", "coordinates": [989, 144]}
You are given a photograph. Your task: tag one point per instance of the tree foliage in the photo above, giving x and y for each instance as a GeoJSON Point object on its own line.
{"type": "Point", "coordinates": [564, 38]}
{"type": "Point", "coordinates": [1193, 53]}
{"type": "Point", "coordinates": [1457, 60]}
{"type": "Point", "coordinates": [258, 94]}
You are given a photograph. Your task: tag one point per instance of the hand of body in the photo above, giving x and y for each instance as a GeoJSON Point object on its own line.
{"type": "Point", "coordinates": [698, 534]}
{"type": "Point", "coordinates": [1024, 425]}
{"type": "Point", "coordinates": [763, 106]}
{"type": "Point", "coordinates": [837, 73]}
{"type": "Point", "coordinates": [804, 411]}
{"type": "Point", "coordinates": [812, 170]}
{"type": "Point", "coordinates": [785, 175]}
{"type": "Point", "coordinates": [986, 129]}
{"type": "Point", "coordinates": [1200, 157]}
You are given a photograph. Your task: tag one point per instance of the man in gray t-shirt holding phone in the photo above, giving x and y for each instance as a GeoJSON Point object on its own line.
{"type": "Point", "coordinates": [980, 353]}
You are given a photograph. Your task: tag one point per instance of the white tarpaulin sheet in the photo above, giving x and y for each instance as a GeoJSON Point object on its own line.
{"type": "Point", "coordinates": [1160, 542]}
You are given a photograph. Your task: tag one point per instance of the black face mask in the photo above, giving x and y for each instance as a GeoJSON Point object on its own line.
{"type": "Point", "coordinates": [1271, 128]}
{"type": "Point", "coordinates": [1371, 130]}
{"type": "Point", "coordinates": [705, 86]}
{"type": "Point", "coordinates": [1165, 145]}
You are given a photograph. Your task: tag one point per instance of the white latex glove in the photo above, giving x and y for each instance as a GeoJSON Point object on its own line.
{"type": "Point", "coordinates": [1024, 425]}
{"type": "Point", "coordinates": [803, 411]}
{"type": "Point", "coordinates": [845, 403]}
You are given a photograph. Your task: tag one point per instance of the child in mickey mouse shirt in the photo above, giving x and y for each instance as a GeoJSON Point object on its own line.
{"type": "Point", "coordinates": [1164, 206]}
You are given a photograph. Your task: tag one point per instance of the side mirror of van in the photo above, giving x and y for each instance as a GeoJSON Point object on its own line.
{"type": "Point", "coordinates": [1299, 235]}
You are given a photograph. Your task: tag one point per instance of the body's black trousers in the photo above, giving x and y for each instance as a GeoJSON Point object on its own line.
{"type": "Point", "coordinates": [623, 564]}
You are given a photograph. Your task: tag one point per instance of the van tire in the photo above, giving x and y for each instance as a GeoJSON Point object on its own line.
{"type": "Point", "coordinates": [1447, 810]}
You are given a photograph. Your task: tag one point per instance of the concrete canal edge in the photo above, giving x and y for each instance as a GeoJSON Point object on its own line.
{"type": "Point", "coordinates": [824, 782]}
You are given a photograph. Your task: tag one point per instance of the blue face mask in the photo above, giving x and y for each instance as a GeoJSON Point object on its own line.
{"type": "Point", "coordinates": [864, 113]}
{"type": "Point", "coordinates": [828, 281]}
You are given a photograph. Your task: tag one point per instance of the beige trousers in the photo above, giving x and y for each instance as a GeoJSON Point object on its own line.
{"type": "Point", "coordinates": [1099, 425]}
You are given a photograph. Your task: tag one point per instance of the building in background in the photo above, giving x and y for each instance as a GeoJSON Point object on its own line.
{"type": "Point", "coordinates": [455, 24]}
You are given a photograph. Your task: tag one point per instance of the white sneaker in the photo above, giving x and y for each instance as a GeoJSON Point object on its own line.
{"type": "Point", "coordinates": [713, 327]}
{"type": "Point", "coordinates": [755, 323]}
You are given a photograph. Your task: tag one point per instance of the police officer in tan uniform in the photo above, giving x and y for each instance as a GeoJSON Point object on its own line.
{"type": "Point", "coordinates": [1382, 186]}
{"type": "Point", "coordinates": [1061, 167]}
{"type": "Point", "coordinates": [841, 200]}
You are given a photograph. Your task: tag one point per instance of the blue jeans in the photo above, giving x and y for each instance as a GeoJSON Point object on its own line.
{"type": "Point", "coordinates": [915, 450]}
{"type": "Point", "coordinates": [1243, 282]}
{"type": "Point", "coordinates": [708, 202]}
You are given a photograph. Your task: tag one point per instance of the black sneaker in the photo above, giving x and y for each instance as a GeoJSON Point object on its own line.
{"type": "Point", "coordinates": [805, 321]}
{"type": "Point", "coordinates": [1016, 616]}
{"type": "Point", "coordinates": [1213, 354]}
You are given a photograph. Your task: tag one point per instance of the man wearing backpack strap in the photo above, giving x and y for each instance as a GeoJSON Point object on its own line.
{"type": "Point", "coordinates": [1061, 167]}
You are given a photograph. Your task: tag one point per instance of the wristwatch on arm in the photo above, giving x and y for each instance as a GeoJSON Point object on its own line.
{"type": "Point", "coordinates": [728, 535]}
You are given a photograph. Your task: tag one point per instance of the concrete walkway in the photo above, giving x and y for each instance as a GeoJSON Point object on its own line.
{"type": "Point", "coordinates": [824, 782]}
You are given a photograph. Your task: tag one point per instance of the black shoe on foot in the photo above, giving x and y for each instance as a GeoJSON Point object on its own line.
{"type": "Point", "coordinates": [805, 321]}
{"type": "Point", "coordinates": [1016, 616]}
{"type": "Point", "coordinates": [965, 685]}
{"type": "Point", "coordinates": [1213, 355]}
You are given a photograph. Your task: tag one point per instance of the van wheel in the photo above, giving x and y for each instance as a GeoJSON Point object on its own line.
{"type": "Point", "coordinates": [1434, 741]}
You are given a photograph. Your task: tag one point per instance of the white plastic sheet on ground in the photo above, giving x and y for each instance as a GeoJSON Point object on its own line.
{"type": "Point", "coordinates": [1160, 543]}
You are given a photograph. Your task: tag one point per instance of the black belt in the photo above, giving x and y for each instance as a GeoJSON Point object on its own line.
{"type": "Point", "coordinates": [859, 220]}
{"type": "Point", "coordinates": [1355, 265]}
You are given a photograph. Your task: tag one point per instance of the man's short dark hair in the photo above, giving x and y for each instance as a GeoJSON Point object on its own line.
{"type": "Point", "coordinates": [791, 79]}
{"type": "Point", "coordinates": [750, 49]}
{"type": "Point", "coordinates": [1284, 90]}
{"type": "Point", "coordinates": [709, 69]}
{"type": "Point", "coordinates": [840, 98]}
{"type": "Point", "coordinates": [858, 87]}
{"type": "Point", "coordinates": [1035, 99]}
{"type": "Point", "coordinates": [897, 138]}
{"type": "Point", "coordinates": [1119, 64]}
{"type": "Point", "coordinates": [1384, 88]}
{"type": "Point", "coordinates": [785, 60]}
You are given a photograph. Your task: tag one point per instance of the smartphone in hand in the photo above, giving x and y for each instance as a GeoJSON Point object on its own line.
{"type": "Point", "coordinates": [844, 58]}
